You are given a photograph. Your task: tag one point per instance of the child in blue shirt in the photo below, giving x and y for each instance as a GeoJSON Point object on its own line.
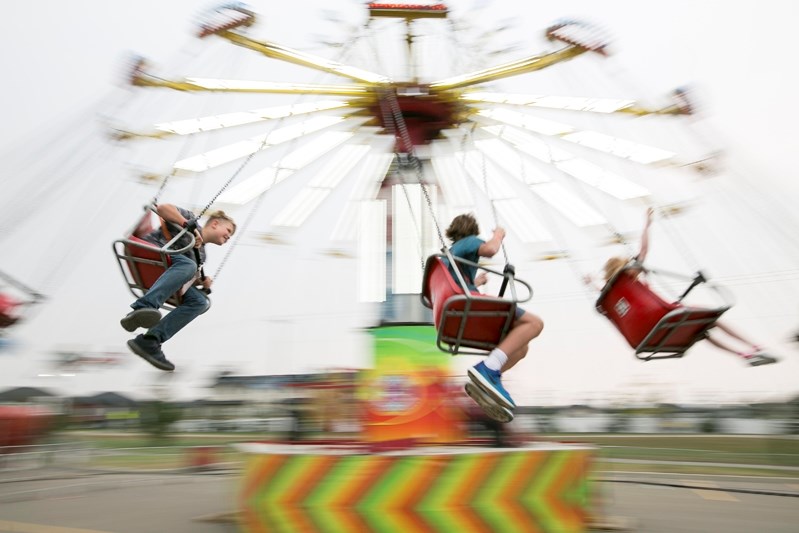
{"type": "Point", "coordinates": [487, 374]}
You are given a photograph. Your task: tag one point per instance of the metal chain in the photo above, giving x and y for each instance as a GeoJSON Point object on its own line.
{"type": "Point", "coordinates": [399, 123]}
{"type": "Point", "coordinates": [162, 187]}
{"type": "Point", "coordinates": [491, 200]}
{"type": "Point", "coordinates": [241, 232]}
{"type": "Point", "coordinates": [181, 154]}
{"type": "Point", "coordinates": [260, 199]}
{"type": "Point", "coordinates": [618, 237]}
{"type": "Point", "coordinates": [395, 170]}
{"type": "Point", "coordinates": [234, 176]}
{"type": "Point", "coordinates": [261, 196]}
{"type": "Point", "coordinates": [495, 216]}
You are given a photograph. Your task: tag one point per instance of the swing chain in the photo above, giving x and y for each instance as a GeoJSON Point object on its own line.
{"type": "Point", "coordinates": [484, 170]}
{"type": "Point", "coordinates": [394, 118]}
{"type": "Point", "coordinates": [241, 231]}
{"type": "Point", "coordinates": [493, 208]}
{"type": "Point", "coordinates": [395, 170]}
{"type": "Point", "coordinates": [230, 180]}
{"type": "Point", "coordinates": [162, 187]}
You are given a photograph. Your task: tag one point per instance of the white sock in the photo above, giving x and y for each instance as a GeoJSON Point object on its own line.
{"type": "Point", "coordinates": [496, 359]}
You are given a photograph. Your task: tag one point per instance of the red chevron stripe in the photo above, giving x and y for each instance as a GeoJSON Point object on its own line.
{"type": "Point", "coordinates": [307, 480]}
{"type": "Point", "coordinates": [531, 495]}
{"type": "Point", "coordinates": [522, 518]}
{"type": "Point", "coordinates": [403, 505]}
{"type": "Point", "coordinates": [471, 520]}
{"type": "Point", "coordinates": [257, 470]}
{"type": "Point", "coordinates": [394, 519]}
{"type": "Point", "coordinates": [527, 469]}
{"type": "Point", "coordinates": [361, 481]}
{"type": "Point", "coordinates": [473, 480]}
{"type": "Point", "coordinates": [350, 520]}
{"type": "Point", "coordinates": [511, 498]}
{"type": "Point", "coordinates": [530, 488]}
{"type": "Point", "coordinates": [297, 518]}
{"type": "Point", "coordinates": [566, 512]}
{"type": "Point", "coordinates": [457, 519]}
{"type": "Point", "coordinates": [277, 517]}
{"type": "Point", "coordinates": [415, 489]}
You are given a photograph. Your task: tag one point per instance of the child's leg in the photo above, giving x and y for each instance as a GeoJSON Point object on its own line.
{"type": "Point", "coordinates": [715, 342]}
{"type": "Point", "coordinates": [515, 345]}
{"type": "Point", "coordinates": [487, 373]}
{"type": "Point", "coordinates": [732, 333]}
{"type": "Point", "coordinates": [514, 358]}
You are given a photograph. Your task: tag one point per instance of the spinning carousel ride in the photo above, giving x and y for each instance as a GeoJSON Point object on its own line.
{"type": "Point", "coordinates": [417, 133]}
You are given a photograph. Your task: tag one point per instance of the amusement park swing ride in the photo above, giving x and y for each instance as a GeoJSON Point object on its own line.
{"type": "Point", "coordinates": [450, 134]}
{"type": "Point", "coordinates": [435, 146]}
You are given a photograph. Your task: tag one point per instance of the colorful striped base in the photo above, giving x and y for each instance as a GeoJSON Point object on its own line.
{"type": "Point", "coordinates": [542, 489]}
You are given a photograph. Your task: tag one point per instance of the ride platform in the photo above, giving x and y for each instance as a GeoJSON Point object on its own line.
{"type": "Point", "coordinates": [542, 487]}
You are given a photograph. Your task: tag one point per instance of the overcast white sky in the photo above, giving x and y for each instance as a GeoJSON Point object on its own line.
{"type": "Point", "coordinates": [68, 56]}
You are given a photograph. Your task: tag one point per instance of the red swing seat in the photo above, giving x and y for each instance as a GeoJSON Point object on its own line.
{"type": "Point", "coordinates": [9, 314]}
{"type": "Point", "coordinates": [657, 329]}
{"type": "Point", "coordinates": [16, 300]}
{"type": "Point", "coordinates": [143, 262]}
{"type": "Point", "coordinates": [466, 321]}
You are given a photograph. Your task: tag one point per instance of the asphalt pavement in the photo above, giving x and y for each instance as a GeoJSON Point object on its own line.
{"type": "Point", "coordinates": [74, 501]}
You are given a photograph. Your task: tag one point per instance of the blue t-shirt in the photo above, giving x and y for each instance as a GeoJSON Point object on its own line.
{"type": "Point", "coordinates": [467, 248]}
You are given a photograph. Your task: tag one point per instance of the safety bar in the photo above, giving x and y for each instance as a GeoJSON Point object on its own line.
{"type": "Point", "coordinates": [168, 247]}
{"type": "Point", "coordinates": [508, 278]}
{"type": "Point", "coordinates": [697, 279]}
{"type": "Point", "coordinates": [724, 295]}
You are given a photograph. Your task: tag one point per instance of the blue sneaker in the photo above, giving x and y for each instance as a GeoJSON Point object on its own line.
{"type": "Point", "coordinates": [487, 403]}
{"type": "Point", "coordinates": [491, 382]}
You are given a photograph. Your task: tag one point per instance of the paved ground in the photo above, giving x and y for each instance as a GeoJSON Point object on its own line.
{"type": "Point", "coordinates": [68, 501]}
{"type": "Point", "coordinates": [118, 503]}
{"type": "Point", "coordinates": [672, 503]}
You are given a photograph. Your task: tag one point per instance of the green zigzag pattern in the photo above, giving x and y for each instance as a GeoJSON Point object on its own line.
{"type": "Point", "coordinates": [520, 490]}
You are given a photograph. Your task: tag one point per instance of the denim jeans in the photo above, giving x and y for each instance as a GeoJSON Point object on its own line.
{"type": "Point", "coordinates": [193, 305]}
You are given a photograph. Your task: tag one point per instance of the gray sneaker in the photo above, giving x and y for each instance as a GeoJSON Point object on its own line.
{"type": "Point", "coordinates": [149, 349]}
{"type": "Point", "coordinates": [141, 318]}
{"type": "Point", "coordinates": [760, 358]}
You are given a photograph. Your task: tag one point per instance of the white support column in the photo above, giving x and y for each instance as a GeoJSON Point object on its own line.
{"type": "Point", "coordinates": [412, 236]}
{"type": "Point", "coordinates": [372, 251]}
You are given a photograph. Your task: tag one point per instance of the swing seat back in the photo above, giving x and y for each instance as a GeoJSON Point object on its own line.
{"type": "Point", "coordinates": [657, 329]}
{"type": "Point", "coordinates": [143, 262]}
{"type": "Point", "coordinates": [466, 321]}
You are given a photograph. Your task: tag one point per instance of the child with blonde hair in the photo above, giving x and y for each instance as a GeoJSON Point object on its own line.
{"type": "Point", "coordinates": [184, 269]}
{"type": "Point", "coordinates": [749, 351]}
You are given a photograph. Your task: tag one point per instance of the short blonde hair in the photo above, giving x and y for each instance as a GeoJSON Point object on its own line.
{"type": "Point", "coordinates": [613, 266]}
{"type": "Point", "coordinates": [221, 215]}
